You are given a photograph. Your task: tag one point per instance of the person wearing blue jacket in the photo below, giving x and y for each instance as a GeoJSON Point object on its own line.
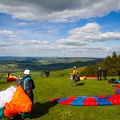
{"type": "Point", "coordinates": [28, 84]}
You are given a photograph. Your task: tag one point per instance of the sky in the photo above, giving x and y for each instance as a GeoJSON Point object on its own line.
{"type": "Point", "coordinates": [59, 28]}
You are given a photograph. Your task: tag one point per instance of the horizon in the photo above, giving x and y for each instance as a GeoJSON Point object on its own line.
{"type": "Point", "coordinates": [48, 57]}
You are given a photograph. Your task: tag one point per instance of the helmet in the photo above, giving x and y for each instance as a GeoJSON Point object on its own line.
{"type": "Point", "coordinates": [74, 67]}
{"type": "Point", "coordinates": [27, 72]}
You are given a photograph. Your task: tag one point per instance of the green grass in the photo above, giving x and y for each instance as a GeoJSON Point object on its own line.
{"type": "Point", "coordinates": [56, 87]}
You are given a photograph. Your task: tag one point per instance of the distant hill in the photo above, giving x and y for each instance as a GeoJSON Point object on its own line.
{"type": "Point", "coordinates": [42, 63]}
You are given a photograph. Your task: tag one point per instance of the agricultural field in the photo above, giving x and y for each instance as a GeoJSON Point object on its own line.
{"type": "Point", "coordinates": [58, 87]}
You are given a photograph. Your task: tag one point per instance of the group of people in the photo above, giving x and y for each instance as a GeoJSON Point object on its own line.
{"type": "Point", "coordinates": [104, 71]}
{"type": "Point", "coordinates": [76, 77]}
{"type": "Point", "coordinates": [28, 84]}
{"type": "Point", "coordinates": [99, 73]}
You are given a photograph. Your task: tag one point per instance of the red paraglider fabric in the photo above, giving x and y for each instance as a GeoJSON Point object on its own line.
{"type": "Point", "coordinates": [91, 100]}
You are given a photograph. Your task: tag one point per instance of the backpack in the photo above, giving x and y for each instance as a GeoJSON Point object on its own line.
{"type": "Point", "coordinates": [33, 85]}
{"type": "Point", "coordinates": [77, 77]}
{"type": "Point", "coordinates": [112, 80]}
{"type": "Point", "coordinates": [19, 81]}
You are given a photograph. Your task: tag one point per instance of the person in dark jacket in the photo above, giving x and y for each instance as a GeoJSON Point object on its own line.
{"type": "Point", "coordinates": [99, 71]}
{"type": "Point", "coordinates": [47, 74]}
{"type": "Point", "coordinates": [119, 74]}
{"type": "Point", "coordinates": [104, 73]}
{"type": "Point", "coordinates": [28, 84]}
{"type": "Point", "coordinates": [9, 74]}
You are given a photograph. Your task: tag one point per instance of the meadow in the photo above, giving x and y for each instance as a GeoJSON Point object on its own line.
{"type": "Point", "coordinates": [58, 87]}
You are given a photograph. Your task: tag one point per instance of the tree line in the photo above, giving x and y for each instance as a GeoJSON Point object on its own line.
{"type": "Point", "coordinates": [111, 63]}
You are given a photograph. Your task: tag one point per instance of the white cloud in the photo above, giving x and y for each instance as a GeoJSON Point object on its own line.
{"type": "Point", "coordinates": [25, 23]}
{"type": "Point", "coordinates": [87, 34]}
{"type": "Point", "coordinates": [58, 11]}
{"type": "Point", "coordinates": [52, 30]}
{"type": "Point", "coordinates": [6, 33]}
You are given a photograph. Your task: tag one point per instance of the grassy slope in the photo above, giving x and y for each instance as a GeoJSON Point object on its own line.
{"type": "Point", "coordinates": [55, 87]}
{"type": "Point", "coordinates": [66, 72]}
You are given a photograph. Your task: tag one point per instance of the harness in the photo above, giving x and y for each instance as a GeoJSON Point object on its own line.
{"type": "Point", "coordinates": [27, 79]}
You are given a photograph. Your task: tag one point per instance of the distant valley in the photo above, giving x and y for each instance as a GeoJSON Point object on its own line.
{"type": "Point", "coordinates": [9, 63]}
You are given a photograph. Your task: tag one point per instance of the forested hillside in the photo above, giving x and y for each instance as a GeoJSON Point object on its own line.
{"type": "Point", "coordinates": [111, 63]}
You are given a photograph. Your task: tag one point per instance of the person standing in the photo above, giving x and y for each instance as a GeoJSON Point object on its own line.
{"type": "Point", "coordinates": [119, 74]}
{"type": "Point", "coordinates": [99, 71]}
{"type": "Point", "coordinates": [104, 73]}
{"type": "Point", "coordinates": [47, 74]}
{"type": "Point", "coordinates": [19, 81]}
{"type": "Point", "coordinates": [74, 76]}
{"type": "Point", "coordinates": [28, 84]}
{"type": "Point", "coordinates": [9, 74]}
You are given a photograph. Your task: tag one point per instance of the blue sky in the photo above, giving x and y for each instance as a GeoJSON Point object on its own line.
{"type": "Point", "coordinates": [65, 28]}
